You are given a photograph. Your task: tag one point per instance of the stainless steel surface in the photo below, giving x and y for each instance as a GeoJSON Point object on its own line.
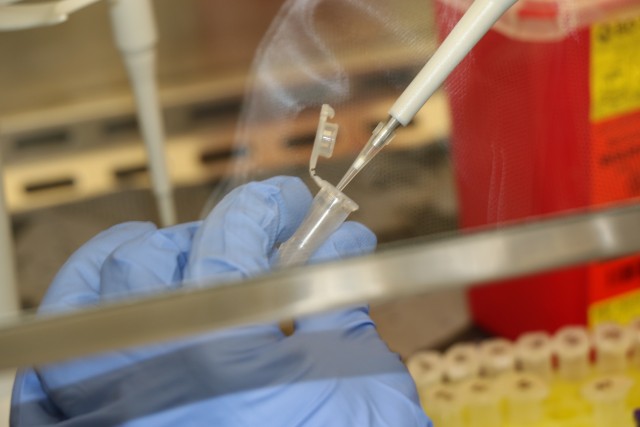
{"type": "Point", "coordinates": [410, 270]}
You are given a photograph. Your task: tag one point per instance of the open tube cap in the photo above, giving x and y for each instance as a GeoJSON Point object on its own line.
{"type": "Point", "coordinates": [330, 207]}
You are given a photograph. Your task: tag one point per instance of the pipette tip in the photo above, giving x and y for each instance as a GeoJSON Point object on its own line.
{"type": "Point", "coordinates": [346, 179]}
{"type": "Point", "coordinates": [380, 137]}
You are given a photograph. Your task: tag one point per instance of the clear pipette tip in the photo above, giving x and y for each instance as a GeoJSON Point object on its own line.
{"type": "Point", "coordinates": [381, 136]}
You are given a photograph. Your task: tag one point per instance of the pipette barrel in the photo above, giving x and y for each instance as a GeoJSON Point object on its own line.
{"type": "Point", "coordinates": [475, 23]}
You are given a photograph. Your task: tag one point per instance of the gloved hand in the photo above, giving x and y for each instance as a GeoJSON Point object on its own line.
{"type": "Point", "coordinates": [333, 371]}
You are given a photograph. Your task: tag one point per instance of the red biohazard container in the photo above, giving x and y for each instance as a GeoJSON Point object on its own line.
{"type": "Point", "coordinates": [546, 119]}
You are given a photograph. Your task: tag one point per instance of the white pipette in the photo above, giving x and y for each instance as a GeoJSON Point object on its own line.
{"type": "Point", "coordinates": [135, 35]}
{"type": "Point", "coordinates": [473, 25]}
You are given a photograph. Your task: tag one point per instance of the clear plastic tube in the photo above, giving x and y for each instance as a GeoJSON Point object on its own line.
{"type": "Point", "coordinates": [444, 405]}
{"type": "Point", "coordinates": [572, 345]}
{"type": "Point", "coordinates": [613, 343]}
{"type": "Point", "coordinates": [497, 357]}
{"type": "Point", "coordinates": [607, 396]}
{"type": "Point", "coordinates": [328, 211]}
{"type": "Point", "coordinates": [483, 403]}
{"type": "Point", "coordinates": [461, 362]}
{"type": "Point", "coordinates": [525, 394]}
{"type": "Point", "coordinates": [534, 354]}
{"type": "Point", "coordinates": [426, 369]}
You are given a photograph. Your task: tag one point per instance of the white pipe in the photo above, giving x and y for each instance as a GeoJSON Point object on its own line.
{"type": "Point", "coordinates": [135, 35]}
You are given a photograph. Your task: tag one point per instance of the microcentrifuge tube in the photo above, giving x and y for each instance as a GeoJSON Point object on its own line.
{"type": "Point", "coordinates": [525, 394]}
{"type": "Point", "coordinates": [607, 396]}
{"type": "Point", "coordinates": [328, 211]}
{"type": "Point", "coordinates": [497, 357]}
{"type": "Point", "coordinates": [330, 207]}
{"type": "Point", "coordinates": [482, 399]}
{"type": "Point", "coordinates": [443, 404]}
{"type": "Point", "coordinates": [426, 369]}
{"type": "Point", "coordinates": [613, 344]}
{"type": "Point", "coordinates": [534, 354]}
{"type": "Point", "coordinates": [572, 345]}
{"type": "Point", "coordinates": [461, 362]}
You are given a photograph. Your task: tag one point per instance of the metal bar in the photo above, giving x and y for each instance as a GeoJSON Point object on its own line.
{"type": "Point", "coordinates": [412, 269]}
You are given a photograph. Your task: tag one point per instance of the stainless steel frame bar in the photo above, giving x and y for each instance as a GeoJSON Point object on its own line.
{"type": "Point", "coordinates": [414, 268]}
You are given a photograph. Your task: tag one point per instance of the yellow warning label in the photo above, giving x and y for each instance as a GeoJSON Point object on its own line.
{"type": "Point", "coordinates": [615, 68]}
{"type": "Point", "coordinates": [621, 309]}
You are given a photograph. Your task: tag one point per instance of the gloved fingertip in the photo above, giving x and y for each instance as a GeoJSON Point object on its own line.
{"type": "Point", "coordinates": [78, 281]}
{"type": "Point", "coordinates": [351, 239]}
{"type": "Point", "coordinates": [237, 238]}
{"type": "Point", "coordinates": [354, 238]}
{"type": "Point", "coordinates": [151, 262]}
{"type": "Point", "coordinates": [294, 199]}
{"type": "Point", "coordinates": [103, 243]}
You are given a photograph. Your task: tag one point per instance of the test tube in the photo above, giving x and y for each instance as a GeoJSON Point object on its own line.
{"type": "Point", "coordinates": [497, 357]}
{"type": "Point", "coordinates": [443, 404]}
{"type": "Point", "coordinates": [572, 346]}
{"type": "Point", "coordinates": [607, 396]}
{"type": "Point", "coordinates": [613, 343]}
{"type": "Point", "coordinates": [328, 211]}
{"type": "Point", "coordinates": [461, 362]}
{"type": "Point", "coordinates": [525, 394]}
{"type": "Point", "coordinates": [534, 354]}
{"type": "Point", "coordinates": [426, 369]}
{"type": "Point", "coordinates": [482, 399]}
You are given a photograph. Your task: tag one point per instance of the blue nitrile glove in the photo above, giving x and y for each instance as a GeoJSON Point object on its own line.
{"type": "Point", "coordinates": [333, 371]}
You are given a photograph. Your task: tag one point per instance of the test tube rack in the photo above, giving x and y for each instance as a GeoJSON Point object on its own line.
{"type": "Point", "coordinates": [574, 378]}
